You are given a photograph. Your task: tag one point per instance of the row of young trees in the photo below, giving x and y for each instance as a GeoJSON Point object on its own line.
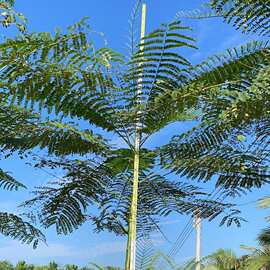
{"type": "Point", "coordinates": [256, 259]}
{"type": "Point", "coordinates": [50, 83]}
{"type": "Point", "coordinates": [22, 265]}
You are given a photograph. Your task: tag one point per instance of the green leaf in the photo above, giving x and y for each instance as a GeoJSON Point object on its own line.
{"type": "Point", "coordinates": [8, 182]}
{"type": "Point", "coordinates": [14, 227]}
{"type": "Point", "coordinates": [241, 137]}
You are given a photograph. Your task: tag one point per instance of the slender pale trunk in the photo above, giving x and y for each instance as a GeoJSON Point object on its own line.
{"type": "Point", "coordinates": [132, 226]}
{"type": "Point", "coordinates": [198, 223]}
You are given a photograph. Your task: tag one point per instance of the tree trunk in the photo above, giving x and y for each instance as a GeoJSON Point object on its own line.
{"type": "Point", "coordinates": [132, 229]}
{"type": "Point", "coordinates": [132, 226]}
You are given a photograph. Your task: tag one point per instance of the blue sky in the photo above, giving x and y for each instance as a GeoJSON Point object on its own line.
{"type": "Point", "coordinates": [84, 246]}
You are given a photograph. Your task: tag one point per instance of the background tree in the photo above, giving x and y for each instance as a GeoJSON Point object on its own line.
{"type": "Point", "coordinates": [264, 236]}
{"type": "Point", "coordinates": [5, 265]}
{"type": "Point", "coordinates": [22, 265]}
{"type": "Point", "coordinates": [53, 266]}
{"type": "Point", "coordinates": [71, 267]}
{"type": "Point", "coordinates": [223, 260]}
{"type": "Point", "coordinates": [97, 267]}
{"type": "Point", "coordinates": [258, 259]}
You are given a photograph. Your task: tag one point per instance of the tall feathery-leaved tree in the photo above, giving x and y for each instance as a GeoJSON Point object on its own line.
{"type": "Point", "coordinates": [65, 76]}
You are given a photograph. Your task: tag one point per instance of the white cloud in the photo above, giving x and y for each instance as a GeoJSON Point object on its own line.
{"type": "Point", "coordinates": [107, 248]}
{"type": "Point", "coordinates": [14, 251]}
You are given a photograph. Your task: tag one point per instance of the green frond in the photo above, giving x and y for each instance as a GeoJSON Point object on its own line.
{"type": "Point", "coordinates": [208, 80]}
{"type": "Point", "coordinates": [249, 16]}
{"type": "Point", "coordinates": [207, 153]}
{"type": "Point", "coordinates": [222, 259]}
{"type": "Point", "coordinates": [230, 66]}
{"type": "Point", "coordinates": [8, 182]}
{"type": "Point", "coordinates": [157, 197]}
{"type": "Point", "coordinates": [264, 202]}
{"type": "Point", "coordinates": [14, 227]}
{"type": "Point", "coordinates": [203, 12]}
{"type": "Point", "coordinates": [23, 130]}
{"type": "Point", "coordinates": [162, 115]}
{"type": "Point", "coordinates": [8, 16]}
{"type": "Point", "coordinates": [134, 26]}
{"type": "Point", "coordinates": [231, 142]}
{"type": "Point", "coordinates": [123, 159]}
{"type": "Point", "coordinates": [156, 64]}
{"type": "Point", "coordinates": [157, 68]}
{"type": "Point", "coordinates": [10, 2]}
{"type": "Point", "coordinates": [63, 73]}
{"type": "Point", "coordinates": [258, 261]}
{"type": "Point", "coordinates": [61, 139]}
{"type": "Point", "coordinates": [264, 237]}
{"type": "Point", "coordinates": [64, 203]}
{"type": "Point", "coordinates": [149, 259]}
{"type": "Point", "coordinates": [67, 203]}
